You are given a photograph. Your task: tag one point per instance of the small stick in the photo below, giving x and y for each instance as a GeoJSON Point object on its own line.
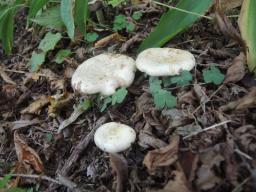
{"type": "Point", "coordinates": [206, 129]}
{"type": "Point", "coordinates": [243, 154]}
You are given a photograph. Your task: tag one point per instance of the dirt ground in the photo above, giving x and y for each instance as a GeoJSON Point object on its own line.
{"type": "Point", "coordinates": [206, 143]}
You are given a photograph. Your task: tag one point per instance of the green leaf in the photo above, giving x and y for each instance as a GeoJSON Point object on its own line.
{"type": "Point", "coordinates": [6, 30]}
{"type": "Point", "coordinates": [50, 18]}
{"type": "Point", "coordinates": [115, 3]}
{"type": "Point", "coordinates": [105, 104]}
{"type": "Point", "coordinates": [137, 15]}
{"type": "Point", "coordinates": [36, 61]}
{"type": "Point", "coordinates": [49, 137]}
{"type": "Point", "coordinates": [213, 75]}
{"type": "Point", "coordinates": [154, 84]}
{"type": "Point", "coordinates": [35, 6]}
{"type": "Point", "coordinates": [91, 37]}
{"type": "Point", "coordinates": [61, 55]}
{"type": "Point", "coordinates": [163, 98]}
{"type": "Point", "coordinates": [4, 181]}
{"type": "Point", "coordinates": [130, 26]}
{"type": "Point", "coordinates": [49, 41]}
{"type": "Point", "coordinates": [86, 104]}
{"type": "Point", "coordinates": [183, 79]}
{"type": "Point", "coordinates": [247, 25]}
{"type": "Point", "coordinates": [119, 96]}
{"type": "Point", "coordinates": [173, 22]}
{"type": "Point", "coordinates": [81, 14]}
{"type": "Point", "coordinates": [66, 13]}
{"type": "Point", "coordinates": [119, 22]}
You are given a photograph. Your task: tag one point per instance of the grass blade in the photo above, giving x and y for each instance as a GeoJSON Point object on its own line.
{"type": "Point", "coordinates": [81, 13]}
{"type": "Point", "coordinates": [66, 12]}
{"type": "Point", "coordinates": [175, 21]}
{"type": "Point", "coordinates": [247, 25]}
{"type": "Point", "coordinates": [35, 6]}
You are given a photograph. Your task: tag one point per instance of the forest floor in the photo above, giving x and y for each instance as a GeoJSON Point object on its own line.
{"type": "Point", "coordinates": [206, 143]}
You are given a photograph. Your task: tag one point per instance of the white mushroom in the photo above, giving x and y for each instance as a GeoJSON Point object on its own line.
{"type": "Point", "coordinates": [114, 137]}
{"type": "Point", "coordinates": [103, 74]}
{"type": "Point", "coordinates": [164, 61]}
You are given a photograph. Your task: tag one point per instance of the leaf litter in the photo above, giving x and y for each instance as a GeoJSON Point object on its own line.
{"type": "Point", "coordinates": [37, 107]}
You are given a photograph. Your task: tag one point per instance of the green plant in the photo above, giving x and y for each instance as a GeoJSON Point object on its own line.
{"type": "Point", "coordinates": [4, 182]}
{"type": "Point", "coordinates": [91, 37]}
{"type": "Point", "coordinates": [120, 22]}
{"type": "Point", "coordinates": [47, 44]}
{"type": "Point", "coordinates": [137, 15]}
{"type": "Point", "coordinates": [176, 20]}
{"type": "Point", "coordinates": [181, 80]}
{"type": "Point", "coordinates": [115, 3]}
{"type": "Point", "coordinates": [61, 55]}
{"type": "Point", "coordinates": [213, 75]}
{"type": "Point", "coordinates": [117, 98]}
{"type": "Point", "coordinates": [162, 98]}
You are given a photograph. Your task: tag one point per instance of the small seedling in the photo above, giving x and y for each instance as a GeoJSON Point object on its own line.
{"type": "Point", "coordinates": [137, 15]}
{"type": "Point", "coordinates": [213, 75]}
{"type": "Point", "coordinates": [117, 98]}
{"type": "Point", "coordinates": [121, 22]}
{"type": "Point", "coordinates": [180, 80]}
{"type": "Point", "coordinates": [61, 55]}
{"type": "Point", "coordinates": [91, 37]}
{"type": "Point", "coordinates": [162, 98]}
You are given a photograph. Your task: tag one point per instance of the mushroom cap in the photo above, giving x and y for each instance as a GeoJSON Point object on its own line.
{"type": "Point", "coordinates": [103, 74]}
{"type": "Point", "coordinates": [114, 137]}
{"type": "Point", "coordinates": [165, 61]}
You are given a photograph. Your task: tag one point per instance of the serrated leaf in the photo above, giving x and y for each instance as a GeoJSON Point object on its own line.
{"type": "Point", "coordinates": [164, 98]}
{"type": "Point", "coordinates": [130, 26]}
{"type": "Point", "coordinates": [66, 12]}
{"type": "Point", "coordinates": [137, 15]}
{"type": "Point", "coordinates": [213, 75]}
{"type": "Point", "coordinates": [81, 14]}
{"type": "Point", "coordinates": [173, 22]}
{"type": "Point", "coordinates": [35, 6]}
{"type": "Point", "coordinates": [183, 79]}
{"type": "Point", "coordinates": [119, 96]}
{"type": "Point", "coordinates": [49, 41]}
{"type": "Point", "coordinates": [36, 61]}
{"type": "Point", "coordinates": [91, 37]}
{"type": "Point", "coordinates": [50, 18]}
{"type": "Point", "coordinates": [61, 55]}
{"type": "Point", "coordinates": [154, 84]}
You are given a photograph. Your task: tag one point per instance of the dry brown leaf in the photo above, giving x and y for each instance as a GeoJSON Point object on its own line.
{"type": "Point", "coordinates": [57, 102]}
{"type": "Point", "coordinates": [200, 93]}
{"type": "Point", "coordinates": [36, 106]}
{"type": "Point", "coordinates": [178, 184]}
{"type": "Point", "coordinates": [120, 168]}
{"type": "Point", "coordinates": [27, 155]}
{"type": "Point", "coordinates": [230, 4]}
{"type": "Point", "coordinates": [5, 77]}
{"type": "Point", "coordinates": [243, 103]}
{"type": "Point", "coordinates": [110, 38]}
{"type": "Point", "coordinates": [162, 157]}
{"type": "Point", "coordinates": [225, 25]}
{"type": "Point", "coordinates": [236, 71]}
{"type": "Point", "coordinates": [24, 123]}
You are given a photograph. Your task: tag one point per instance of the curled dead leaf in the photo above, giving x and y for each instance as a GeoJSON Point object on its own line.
{"type": "Point", "coordinates": [36, 106]}
{"type": "Point", "coordinates": [162, 157]}
{"type": "Point", "coordinates": [236, 71]}
{"type": "Point", "coordinates": [5, 77]}
{"type": "Point", "coordinates": [120, 168]}
{"type": "Point", "coordinates": [27, 155]}
{"type": "Point", "coordinates": [110, 38]}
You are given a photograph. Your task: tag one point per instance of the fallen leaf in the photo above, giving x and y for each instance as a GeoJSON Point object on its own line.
{"type": "Point", "coordinates": [27, 155]}
{"type": "Point", "coordinates": [236, 71]}
{"type": "Point", "coordinates": [5, 77]}
{"type": "Point", "coordinates": [227, 5]}
{"type": "Point", "coordinates": [23, 123]}
{"type": "Point", "coordinates": [162, 157]}
{"type": "Point", "coordinates": [36, 106]}
{"type": "Point", "coordinates": [57, 102]}
{"type": "Point", "coordinates": [110, 38]}
{"type": "Point", "coordinates": [225, 25]}
{"type": "Point", "coordinates": [200, 93]}
{"type": "Point", "coordinates": [120, 168]}
{"type": "Point", "coordinates": [242, 103]}
{"type": "Point", "coordinates": [178, 184]}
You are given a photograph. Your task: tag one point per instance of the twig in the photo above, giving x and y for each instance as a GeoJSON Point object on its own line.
{"type": "Point", "coordinates": [214, 93]}
{"type": "Point", "coordinates": [44, 178]}
{"type": "Point", "coordinates": [206, 129]}
{"type": "Point", "coordinates": [182, 10]}
{"type": "Point", "coordinates": [238, 188]}
{"type": "Point", "coordinates": [243, 154]}
{"type": "Point", "coordinates": [82, 145]}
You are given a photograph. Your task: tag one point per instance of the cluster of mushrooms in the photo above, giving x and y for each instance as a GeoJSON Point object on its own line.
{"type": "Point", "coordinates": [106, 72]}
